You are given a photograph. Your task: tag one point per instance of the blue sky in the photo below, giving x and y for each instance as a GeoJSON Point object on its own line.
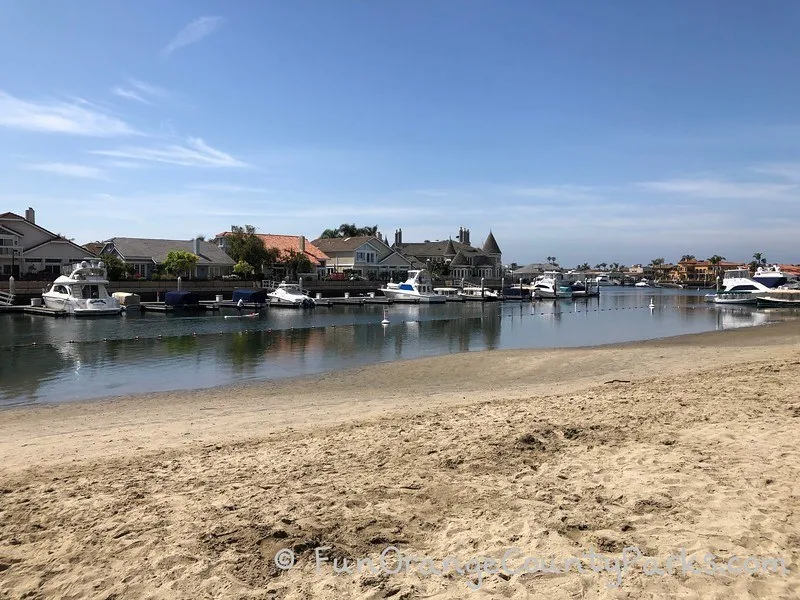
{"type": "Point", "coordinates": [600, 131]}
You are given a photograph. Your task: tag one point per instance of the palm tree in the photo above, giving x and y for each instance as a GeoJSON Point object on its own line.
{"type": "Point", "coordinates": [656, 262]}
{"type": "Point", "coordinates": [714, 261]}
{"type": "Point", "coordinates": [330, 233]}
{"type": "Point", "coordinates": [687, 257]}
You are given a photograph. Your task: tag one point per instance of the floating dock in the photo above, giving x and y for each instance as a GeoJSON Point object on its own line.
{"type": "Point", "coordinates": [161, 307]}
{"type": "Point", "coordinates": [33, 310]}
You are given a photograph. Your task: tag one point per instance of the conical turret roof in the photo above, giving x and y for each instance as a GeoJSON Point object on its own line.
{"type": "Point", "coordinates": [490, 245]}
{"type": "Point", "coordinates": [450, 249]}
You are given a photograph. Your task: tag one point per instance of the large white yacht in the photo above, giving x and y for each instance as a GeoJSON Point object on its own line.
{"type": "Point", "coordinates": [419, 285]}
{"type": "Point", "coordinates": [81, 290]}
{"type": "Point", "coordinates": [739, 280]}
{"type": "Point", "coordinates": [291, 294]}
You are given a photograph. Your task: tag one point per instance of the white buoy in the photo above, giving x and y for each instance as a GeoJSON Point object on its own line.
{"type": "Point", "coordinates": [652, 305]}
{"type": "Point", "coordinates": [385, 317]}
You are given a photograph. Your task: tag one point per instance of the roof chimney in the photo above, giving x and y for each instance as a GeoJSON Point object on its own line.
{"type": "Point", "coordinates": [30, 215]}
{"type": "Point", "coordinates": [196, 246]}
{"type": "Point", "coordinates": [302, 244]}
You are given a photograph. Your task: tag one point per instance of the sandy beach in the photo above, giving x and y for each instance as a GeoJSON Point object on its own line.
{"type": "Point", "coordinates": [646, 450]}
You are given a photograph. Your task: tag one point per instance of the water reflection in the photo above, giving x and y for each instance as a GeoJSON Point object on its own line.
{"type": "Point", "coordinates": [204, 351]}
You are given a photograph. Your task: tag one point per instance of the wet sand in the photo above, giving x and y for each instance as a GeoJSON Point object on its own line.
{"type": "Point", "coordinates": [685, 443]}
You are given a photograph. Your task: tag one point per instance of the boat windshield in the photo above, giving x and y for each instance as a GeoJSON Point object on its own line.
{"type": "Point", "coordinates": [737, 274]}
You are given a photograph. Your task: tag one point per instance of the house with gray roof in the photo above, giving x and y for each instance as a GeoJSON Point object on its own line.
{"type": "Point", "coordinates": [144, 255]}
{"type": "Point", "coordinates": [463, 260]}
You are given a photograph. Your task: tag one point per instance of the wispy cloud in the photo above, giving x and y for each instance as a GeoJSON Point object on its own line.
{"type": "Point", "coordinates": [140, 91]}
{"type": "Point", "coordinates": [790, 171]}
{"type": "Point", "coordinates": [719, 189]}
{"type": "Point", "coordinates": [230, 188]}
{"type": "Point", "coordinates": [192, 33]}
{"type": "Point", "coordinates": [78, 117]}
{"type": "Point", "coordinates": [69, 170]}
{"type": "Point", "coordinates": [194, 153]}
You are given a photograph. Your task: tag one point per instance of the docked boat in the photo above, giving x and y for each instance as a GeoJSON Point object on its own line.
{"type": "Point", "coordinates": [770, 276]}
{"type": "Point", "coordinates": [739, 280]}
{"type": "Point", "coordinates": [603, 280]}
{"type": "Point", "coordinates": [734, 298]}
{"type": "Point", "coordinates": [128, 301]}
{"type": "Point", "coordinates": [479, 294]}
{"type": "Point", "coordinates": [777, 302]}
{"type": "Point", "coordinates": [451, 294]}
{"type": "Point", "coordinates": [643, 284]}
{"type": "Point", "coordinates": [548, 284]}
{"type": "Point", "coordinates": [291, 294]}
{"type": "Point", "coordinates": [80, 290]}
{"type": "Point", "coordinates": [419, 285]}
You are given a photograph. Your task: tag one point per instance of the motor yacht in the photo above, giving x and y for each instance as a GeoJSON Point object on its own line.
{"type": "Point", "coordinates": [548, 284]}
{"type": "Point", "coordinates": [291, 294]}
{"type": "Point", "coordinates": [80, 290]}
{"type": "Point", "coordinates": [419, 285]}
{"type": "Point", "coordinates": [771, 276]}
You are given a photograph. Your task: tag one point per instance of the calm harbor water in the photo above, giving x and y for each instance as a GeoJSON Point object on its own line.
{"type": "Point", "coordinates": [45, 360]}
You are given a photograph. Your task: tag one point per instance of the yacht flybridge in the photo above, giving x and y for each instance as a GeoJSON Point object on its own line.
{"type": "Point", "coordinates": [81, 290]}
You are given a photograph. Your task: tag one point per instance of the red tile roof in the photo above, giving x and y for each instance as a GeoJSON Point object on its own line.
{"type": "Point", "coordinates": [286, 243]}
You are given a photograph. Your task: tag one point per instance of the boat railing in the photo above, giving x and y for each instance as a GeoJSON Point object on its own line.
{"type": "Point", "coordinates": [6, 299]}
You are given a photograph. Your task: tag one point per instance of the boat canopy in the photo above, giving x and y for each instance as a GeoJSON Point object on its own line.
{"type": "Point", "coordinates": [253, 296]}
{"type": "Point", "coordinates": [181, 298]}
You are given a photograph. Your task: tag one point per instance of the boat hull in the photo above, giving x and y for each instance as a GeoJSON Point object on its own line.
{"type": "Point", "coordinates": [771, 302]}
{"type": "Point", "coordinates": [735, 301]}
{"type": "Point", "coordinates": [406, 295]}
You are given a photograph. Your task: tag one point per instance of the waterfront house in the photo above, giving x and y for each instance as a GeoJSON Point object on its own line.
{"type": "Point", "coordinates": [364, 255]}
{"type": "Point", "coordinates": [463, 260]}
{"type": "Point", "coordinates": [30, 250]}
{"type": "Point", "coordinates": [285, 244]}
{"type": "Point", "coordinates": [144, 255]}
{"type": "Point", "coordinates": [533, 270]}
{"type": "Point", "coordinates": [696, 271]}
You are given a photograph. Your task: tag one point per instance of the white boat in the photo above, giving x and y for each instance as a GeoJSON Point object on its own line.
{"type": "Point", "coordinates": [771, 276]}
{"type": "Point", "coordinates": [547, 284]}
{"type": "Point", "coordinates": [603, 280]}
{"type": "Point", "coordinates": [643, 284]}
{"type": "Point", "coordinates": [734, 298]}
{"type": "Point", "coordinates": [419, 285]}
{"type": "Point", "coordinates": [450, 293]}
{"type": "Point", "coordinates": [81, 290]}
{"type": "Point", "coordinates": [291, 294]}
{"type": "Point", "coordinates": [739, 280]}
{"type": "Point", "coordinates": [128, 301]}
{"type": "Point", "coordinates": [476, 293]}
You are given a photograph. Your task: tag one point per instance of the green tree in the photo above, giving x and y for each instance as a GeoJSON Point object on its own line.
{"type": "Point", "coordinates": [688, 257]}
{"type": "Point", "coordinates": [656, 262]}
{"type": "Point", "coordinates": [115, 268]}
{"type": "Point", "coordinates": [584, 267]}
{"type": "Point", "coordinates": [297, 262]}
{"type": "Point", "coordinates": [714, 261]}
{"type": "Point", "coordinates": [180, 263]}
{"type": "Point", "coordinates": [243, 269]}
{"type": "Point", "coordinates": [346, 230]}
{"type": "Point", "coordinates": [759, 260]}
{"type": "Point", "coordinates": [244, 245]}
